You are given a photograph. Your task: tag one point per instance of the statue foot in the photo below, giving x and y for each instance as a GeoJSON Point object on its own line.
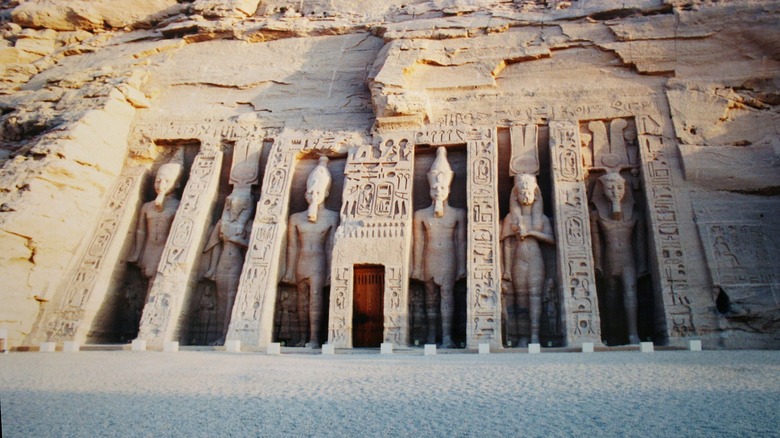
{"type": "Point", "coordinates": [313, 344]}
{"type": "Point", "coordinates": [633, 339]}
{"type": "Point", "coordinates": [447, 343]}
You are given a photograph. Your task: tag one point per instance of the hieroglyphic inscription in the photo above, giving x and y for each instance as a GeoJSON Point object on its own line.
{"type": "Point", "coordinates": [161, 320]}
{"type": "Point", "coordinates": [252, 318]}
{"type": "Point", "coordinates": [484, 295]}
{"type": "Point", "coordinates": [572, 228]}
{"type": "Point", "coordinates": [376, 218]}
{"type": "Point", "coordinates": [665, 229]}
{"type": "Point", "coordinates": [67, 323]}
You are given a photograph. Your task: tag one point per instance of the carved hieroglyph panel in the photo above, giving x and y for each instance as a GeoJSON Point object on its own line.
{"type": "Point", "coordinates": [572, 230]}
{"type": "Point", "coordinates": [667, 247]}
{"type": "Point", "coordinates": [375, 228]}
{"type": "Point", "coordinates": [483, 310]}
{"type": "Point", "coordinates": [252, 318]}
{"type": "Point", "coordinates": [161, 320]}
{"type": "Point", "coordinates": [71, 318]}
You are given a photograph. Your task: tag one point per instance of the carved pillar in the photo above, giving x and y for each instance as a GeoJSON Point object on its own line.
{"type": "Point", "coordinates": [484, 289]}
{"type": "Point", "coordinates": [253, 311]}
{"type": "Point", "coordinates": [163, 316]}
{"type": "Point", "coordinates": [70, 317]}
{"type": "Point", "coordinates": [376, 228]}
{"type": "Point", "coordinates": [572, 232]}
{"type": "Point", "coordinates": [666, 248]}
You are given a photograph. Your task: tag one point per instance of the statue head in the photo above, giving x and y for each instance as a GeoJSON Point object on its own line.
{"type": "Point", "coordinates": [526, 188]}
{"type": "Point", "coordinates": [614, 189]}
{"type": "Point", "coordinates": [440, 177]}
{"type": "Point", "coordinates": [317, 187]}
{"type": "Point", "coordinates": [238, 201]}
{"type": "Point", "coordinates": [166, 180]}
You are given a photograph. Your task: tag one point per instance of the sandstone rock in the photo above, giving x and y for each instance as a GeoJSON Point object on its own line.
{"type": "Point", "coordinates": [90, 14]}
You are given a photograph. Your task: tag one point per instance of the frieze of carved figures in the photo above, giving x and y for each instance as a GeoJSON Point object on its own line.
{"type": "Point", "coordinates": [161, 315]}
{"type": "Point", "coordinates": [665, 228]}
{"type": "Point", "coordinates": [376, 213]}
{"type": "Point", "coordinates": [252, 319]}
{"type": "Point", "coordinates": [575, 260]}
{"type": "Point", "coordinates": [64, 322]}
{"type": "Point", "coordinates": [484, 308]}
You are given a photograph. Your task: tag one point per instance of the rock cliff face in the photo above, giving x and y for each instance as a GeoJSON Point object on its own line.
{"type": "Point", "coordinates": [680, 97]}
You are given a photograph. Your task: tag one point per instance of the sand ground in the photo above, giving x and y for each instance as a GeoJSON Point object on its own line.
{"type": "Point", "coordinates": [211, 393]}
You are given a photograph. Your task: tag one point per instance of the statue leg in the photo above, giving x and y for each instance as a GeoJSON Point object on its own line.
{"type": "Point", "coordinates": [223, 319]}
{"type": "Point", "coordinates": [508, 313]}
{"type": "Point", "coordinates": [316, 300]}
{"type": "Point", "coordinates": [447, 310]}
{"type": "Point", "coordinates": [302, 305]}
{"type": "Point", "coordinates": [536, 284]}
{"type": "Point", "coordinates": [431, 310]}
{"type": "Point", "coordinates": [630, 303]}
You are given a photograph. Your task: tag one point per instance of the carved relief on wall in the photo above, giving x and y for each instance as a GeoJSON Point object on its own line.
{"type": "Point", "coordinates": [667, 245]}
{"type": "Point", "coordinates": [484, 295]}
{"type": "Point", "coordinates": [168, 295]}
{"type": "Point", "coordinates": [375, 230]}
{"type": "Point", "coordinates": [575, 260]}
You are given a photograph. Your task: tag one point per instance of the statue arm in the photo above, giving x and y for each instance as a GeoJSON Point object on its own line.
{"type": "Point", "coordinates": [546, 234]}
{"type": "Point", "coordinates": [460, 243]}
{"type": "Point", "coordinates": [595, 234]}
{"type": "Point", "coordinates": [292, 253]}
{"type": "Point", "coordinates": [641, 245]}
{"type": "Point", "coordinates": [214, 252]}
{"type": "Point", "coordinates": [418, 247]}
{"type": "Point", "coordinates": [140, 237]}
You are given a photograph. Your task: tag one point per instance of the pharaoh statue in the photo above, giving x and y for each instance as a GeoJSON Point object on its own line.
{"type": "Point", "coordinates": [227, 244]}
{"type": "Point", "coordinates": [310, 236]}
{"type": "Point", "coordinates": [615, 227]}
{"type": "Point", "coordinates": [155, 220]}
{"type": "Point", "coordinates": [439, 253]}
{"type": "Point", "coordinates": [522, 232]}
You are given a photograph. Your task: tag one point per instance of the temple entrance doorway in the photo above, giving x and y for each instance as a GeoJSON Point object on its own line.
{"type": "Point", "coordinates": [368, 315]}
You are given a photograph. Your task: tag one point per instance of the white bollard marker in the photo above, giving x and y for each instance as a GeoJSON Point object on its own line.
{"type": "Point", "coordinates": [138, 345]}
{"type": "Point", "coordinates": [430, 349]}
{"type": "Point", "coordinates": [274, 348]}
{"type": "Point", "coordinates": [386, 348]}
{"type": "Point", "coordinates": [646, 347]}
{"type": "Point", "coordinates": [484, 348]}
{"type": "Point", "coordinates": [534, 348]}
{"type": "Point", "coordinates": [171, 346]}
{"type": "Point", "coordinates": [587, 347]}
{"type": "Point", "coordinates": [71, 346]}
{"type": "Point", "coordinates": [694, 345]}
{"type": "Point", "coordinates": [48, 347]}
{"type": "Point", "coordinates": [328, 349]}
{"type": "Point", "coordinates": [233, 346]}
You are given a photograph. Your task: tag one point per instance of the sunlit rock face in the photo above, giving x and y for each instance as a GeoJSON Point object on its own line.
{"type": "Point", "coordinates": [650, 128]}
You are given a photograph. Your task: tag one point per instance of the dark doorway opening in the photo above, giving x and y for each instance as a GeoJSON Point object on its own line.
{"type": "Point", "coordinates": [368, 311]}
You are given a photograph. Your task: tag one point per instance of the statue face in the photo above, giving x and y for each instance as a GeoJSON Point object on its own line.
{"type": "Point", "coordinates": [440, 192]}
{"type": "Point", "coordinates": [614, 189]}
{"type": "Point", "coordinates": [164, 183]}
{"type": "Point", "coordinates": [526, 191]}
{"type": "Point", "coordinates": [316, 194]}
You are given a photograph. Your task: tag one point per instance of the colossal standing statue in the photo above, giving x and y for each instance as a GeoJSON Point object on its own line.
{"type": "Point", "coordinates": [309, 246]}
{"type": "Point", "coordinates": [439, 256]}
{"type": "Point", "coordinates": [155, 219]}
{"type": "Point", "coordinates": [523, 229]}
{"type": "Point", "coordinates": [614, 225]}
{"type": "Point", "coordinates": [227, 244]}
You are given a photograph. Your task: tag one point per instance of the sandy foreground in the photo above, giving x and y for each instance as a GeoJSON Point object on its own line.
{"type": "Point", "coordinates": [210, 393]}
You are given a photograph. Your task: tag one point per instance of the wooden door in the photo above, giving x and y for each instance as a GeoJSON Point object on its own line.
{"type": "Point", "coordinates": [368, 318]}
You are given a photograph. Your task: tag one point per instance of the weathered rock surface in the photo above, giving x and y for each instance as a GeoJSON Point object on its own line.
{"type": "Point", "coordinates": [90, 89]}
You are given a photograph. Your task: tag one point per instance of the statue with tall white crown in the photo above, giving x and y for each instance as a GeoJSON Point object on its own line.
{"type": "Point", "coordinates": [439, 252]}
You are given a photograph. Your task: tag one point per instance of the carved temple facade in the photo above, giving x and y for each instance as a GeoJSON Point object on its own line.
{"type": "Point", "coordinates": [567, 102]}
